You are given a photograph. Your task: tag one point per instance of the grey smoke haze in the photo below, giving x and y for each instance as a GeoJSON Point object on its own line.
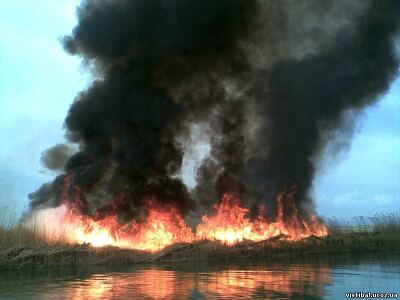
{"type": "Point", "coordinates": [270, 78]}
{"type": "Point", "coordinates": [56, 157]}
{"type": "Point", "coordinates": [307, 97]}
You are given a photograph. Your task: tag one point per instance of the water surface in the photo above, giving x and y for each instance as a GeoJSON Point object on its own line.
{"type": "Point", "coordinates": [316, 278]}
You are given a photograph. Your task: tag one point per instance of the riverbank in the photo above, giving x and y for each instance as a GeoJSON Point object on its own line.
{"type": "Point", "coordinates": [40, 256]}
{"type": "Point", "coordinates": [311, 277]}
{"type": "Point", "coordinates": [22, 247]}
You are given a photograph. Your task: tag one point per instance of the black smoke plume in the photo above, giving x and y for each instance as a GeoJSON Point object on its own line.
{"type": "Point", "coordinates": [271, 78]}
{"type": "Point", "coordinates": [127, 121]}
{"type": "Point", "coordinates": [304, 99]}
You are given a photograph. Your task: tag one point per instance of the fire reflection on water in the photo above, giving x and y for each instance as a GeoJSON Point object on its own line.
{"type": "Point", "coordinates": [144, 284]}
{"type": "Point", "coordinates": [228, 284]}
{"type": "Point", "coordinates": [289, 282]}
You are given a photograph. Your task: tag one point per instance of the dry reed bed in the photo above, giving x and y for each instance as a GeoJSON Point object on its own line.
{"type": "Point", "coordinates": [28, 247]}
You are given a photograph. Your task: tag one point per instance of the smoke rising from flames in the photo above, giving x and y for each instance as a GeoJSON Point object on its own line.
{"type": "Point", "coordinates": [164, 225]}
{"type": "Point", "coordinates": [270, 79]}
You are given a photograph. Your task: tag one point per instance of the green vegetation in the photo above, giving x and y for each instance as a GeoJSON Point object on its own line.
{"type": "Point", "coordinates": [26, 246]}
{"type": "Point", "coordinates": [378, 233]}
{"type": "Point", "coordinates": [390, 224]}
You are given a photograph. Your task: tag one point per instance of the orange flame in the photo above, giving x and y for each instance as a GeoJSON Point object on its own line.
{"type": "Point", "coordinates": [230, 225]}
{"type": "Point", "coordinates": [165, 225]}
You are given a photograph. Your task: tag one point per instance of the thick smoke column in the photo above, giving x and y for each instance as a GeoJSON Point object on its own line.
{"type": "Point", "coordinates": [304, 99]}
{"type": "Point", "coordinates": [162, 66]}
{"type": "Point", "coordinates": [127, 121]}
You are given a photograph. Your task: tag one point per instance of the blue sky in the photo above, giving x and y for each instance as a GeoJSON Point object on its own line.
{"type": "Point", "coordinates": [38, 82]}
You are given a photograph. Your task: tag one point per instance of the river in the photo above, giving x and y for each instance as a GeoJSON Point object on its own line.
{"type": "Point", "coordinates": [329, 277]}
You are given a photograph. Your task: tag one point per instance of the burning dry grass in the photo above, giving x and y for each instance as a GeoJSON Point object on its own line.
{"type": "Point", "coordinates": [25, 246]}
{"type": "Point", "coordinates": [164, 226]}
{"type": "Point", "coordinates": [380, 234]}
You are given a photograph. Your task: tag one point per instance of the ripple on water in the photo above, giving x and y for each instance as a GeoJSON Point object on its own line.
{"type": "Point", "coordinates": [262, 280]}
